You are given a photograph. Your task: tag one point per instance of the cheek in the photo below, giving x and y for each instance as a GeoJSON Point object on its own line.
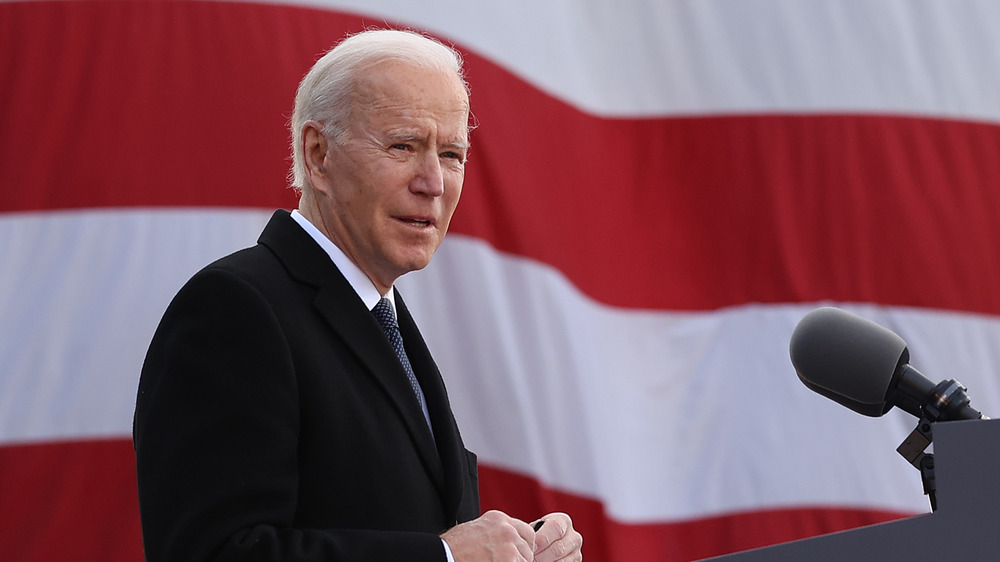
{"type": "Point", "coordinates": [451, 199]}
{"type": "Point", "coordinates": [453, 189]}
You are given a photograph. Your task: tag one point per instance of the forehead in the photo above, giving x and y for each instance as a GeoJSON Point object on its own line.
{"type": "Point", "coordinates": [400, 90]}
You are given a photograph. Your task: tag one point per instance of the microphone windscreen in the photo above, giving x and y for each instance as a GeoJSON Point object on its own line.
{"type": "Point", "coordinates": [847, 359]}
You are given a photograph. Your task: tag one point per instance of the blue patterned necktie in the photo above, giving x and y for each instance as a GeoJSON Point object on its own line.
{"type": "Point", "coordinates": [387, 319]}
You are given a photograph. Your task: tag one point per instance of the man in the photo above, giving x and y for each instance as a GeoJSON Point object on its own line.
{"type": "Point", "coordinates": [275, 419]}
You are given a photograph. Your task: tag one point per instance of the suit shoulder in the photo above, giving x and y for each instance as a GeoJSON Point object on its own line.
{"type": "Point", "coordinates": [254, 265]}
{"type": "Point", "coordinates": [245, 274]}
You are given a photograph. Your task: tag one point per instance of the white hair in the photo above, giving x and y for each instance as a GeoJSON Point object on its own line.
{"type": "Point", "coordinates": [324, 95]}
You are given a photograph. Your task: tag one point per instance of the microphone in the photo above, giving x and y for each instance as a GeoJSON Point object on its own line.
{"type": "Point", "coordinates": [865, 367]}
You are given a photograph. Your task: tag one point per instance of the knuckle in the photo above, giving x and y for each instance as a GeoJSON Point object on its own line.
{"type": "Point", "coordinates": [509, 533]}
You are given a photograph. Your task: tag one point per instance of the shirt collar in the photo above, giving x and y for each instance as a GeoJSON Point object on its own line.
{"type": "Point", "coordinates": [360, 282]}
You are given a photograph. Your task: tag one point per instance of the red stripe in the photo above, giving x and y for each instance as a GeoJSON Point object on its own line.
{"type": "Point", "coordinates": [78, 501]}
{"type": "Point", "coordinates": [702, 213]}
{"type": "Point", "coordinates": [151, 103]}
{"type": "Point", "coordinates": [69, 501]}
{"type": "Point", "coordinates": [184, 103]}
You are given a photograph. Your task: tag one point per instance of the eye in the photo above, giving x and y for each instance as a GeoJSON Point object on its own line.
{"type": "Point", "coordinates": [400, 146]}
{"type": "Point", "coordinates": [452, 155]}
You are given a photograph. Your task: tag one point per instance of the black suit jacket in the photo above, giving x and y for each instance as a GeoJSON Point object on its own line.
{"type": "Point", "coordinates": [274, 421]}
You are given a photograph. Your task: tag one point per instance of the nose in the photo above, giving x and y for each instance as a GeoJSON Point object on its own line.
{"type": "Point", "coordinates": [429, 179]}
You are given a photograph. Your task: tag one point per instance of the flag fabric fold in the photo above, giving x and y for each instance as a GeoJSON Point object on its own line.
{"type": "Point", "coordinates": [656, 193]}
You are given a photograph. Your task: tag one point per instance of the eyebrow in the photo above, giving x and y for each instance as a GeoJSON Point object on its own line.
{"type": "Point", "coordinates": [461, 145]}
{"type": "Point", "coordinates": [399, 135]}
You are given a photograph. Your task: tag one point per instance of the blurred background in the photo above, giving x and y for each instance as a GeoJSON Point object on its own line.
{"type": "Point", "coordinates": [657, 192]}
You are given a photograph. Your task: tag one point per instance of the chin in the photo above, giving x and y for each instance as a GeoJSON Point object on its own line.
{"type": "Point", "coordinates": [418, 257]}
{"type": "Point", "coordinates": [418, 265]}
{"type": "Point", "coordinates": [411, 263]}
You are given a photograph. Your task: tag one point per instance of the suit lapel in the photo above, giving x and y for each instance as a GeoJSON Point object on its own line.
{"type": "Point", "coordinates": [348, 317]}
{"type": "Point", "coordinates": [446, 434]}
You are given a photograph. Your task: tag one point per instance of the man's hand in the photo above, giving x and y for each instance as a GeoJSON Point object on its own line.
{"type": "Point", "coordinates": [557, 541]}
{"type": "Point", "coordinates": [493, 537]}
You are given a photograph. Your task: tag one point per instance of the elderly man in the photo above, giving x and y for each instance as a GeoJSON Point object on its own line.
{"type": "Point", "coordinates": [288, 408]}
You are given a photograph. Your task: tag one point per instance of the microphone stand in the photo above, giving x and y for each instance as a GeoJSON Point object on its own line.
{"type": "Point", "coordinates": [948, 401]}
{"type": "Point", "coordinates": [912, 449]}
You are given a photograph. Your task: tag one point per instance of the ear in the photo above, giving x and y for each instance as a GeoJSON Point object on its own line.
{"type": "Point", "coordinates": [314, 147]}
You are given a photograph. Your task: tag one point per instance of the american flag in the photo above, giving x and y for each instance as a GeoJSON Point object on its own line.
{"type": "Point", "coordinates": [657, 192]}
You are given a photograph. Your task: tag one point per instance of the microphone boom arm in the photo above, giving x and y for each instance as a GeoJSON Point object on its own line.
{"type": "Point", "coordinates": [912, 449]}
{"type": "Point", "coordinates": [946, 401]}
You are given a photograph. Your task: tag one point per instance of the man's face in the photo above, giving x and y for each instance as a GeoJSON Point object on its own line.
{"type": "Point", "coordinates": [396, 174]}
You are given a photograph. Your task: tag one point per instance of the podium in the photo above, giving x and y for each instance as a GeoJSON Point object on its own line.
{"type": "Point", "coordinates": [965, 525]}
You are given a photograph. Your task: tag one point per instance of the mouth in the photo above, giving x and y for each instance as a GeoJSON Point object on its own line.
{"type": "Point", "coordinates": [415, 221]}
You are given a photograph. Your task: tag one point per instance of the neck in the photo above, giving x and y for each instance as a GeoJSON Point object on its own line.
{"type": "Point", "coordinates": [308, 209]}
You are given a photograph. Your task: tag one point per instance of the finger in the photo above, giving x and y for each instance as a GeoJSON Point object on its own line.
{"type": "Point", "coordinates": [549, 529]}
{"type": "Point", "coordinates": [566, 549]}
{"type": "Point", "coordinates": [524, 530]}
{"type": "Point", "coordinates": [556, 540]}
{"type": "Point", "coordinates": [526, 546]}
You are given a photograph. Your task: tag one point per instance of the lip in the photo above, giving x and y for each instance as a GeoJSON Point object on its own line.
{"type": "Point", "coordinates": [416, 221]}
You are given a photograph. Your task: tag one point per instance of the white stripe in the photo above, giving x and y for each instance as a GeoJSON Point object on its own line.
{"type": "Point", "coordinates": [665, 415]}
{"type": "Point", "coordinates": [646, 58]}
{"type": "Point", "coordinates": [660, 415]}
{"type": "Point", "coordinates": [80, 296]}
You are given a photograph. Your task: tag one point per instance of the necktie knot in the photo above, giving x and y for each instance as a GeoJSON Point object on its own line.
{"type": "Point", "coordinates": [385, 316]}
